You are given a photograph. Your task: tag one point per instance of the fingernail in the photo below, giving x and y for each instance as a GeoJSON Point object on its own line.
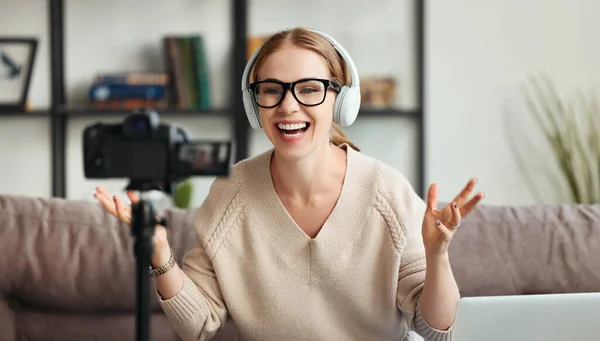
{"type": "Point", "coordinates": [438, 223]}
{"type": "Point", "coordinates": [454, 204]}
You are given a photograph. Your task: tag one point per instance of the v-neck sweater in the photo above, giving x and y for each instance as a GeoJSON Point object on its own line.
{"type": "Point", "coordinates": [360, 278]}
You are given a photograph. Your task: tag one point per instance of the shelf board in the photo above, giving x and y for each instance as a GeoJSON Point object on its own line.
{"type": "Point", "coordinates": [388, 112]}
{"type": "Point", "coordinates": [33, 113]}
{"type": "Point", "coordinates": [90, 111]}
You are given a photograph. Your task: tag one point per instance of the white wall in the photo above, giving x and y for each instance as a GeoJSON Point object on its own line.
{"type": "Point", "coordinates": [27, 173]}
{"type": "Point", "coordinates": [477, 55]}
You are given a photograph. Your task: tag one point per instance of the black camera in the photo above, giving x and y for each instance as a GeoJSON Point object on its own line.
{"type": "Point", "coordinates": [153, 155]}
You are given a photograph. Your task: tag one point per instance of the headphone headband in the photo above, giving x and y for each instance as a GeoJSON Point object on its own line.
{"type": "Point", "coordinates": [355, 82]}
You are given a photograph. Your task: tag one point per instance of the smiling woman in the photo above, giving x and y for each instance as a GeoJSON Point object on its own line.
{"type": "Point", "coordinates": [311, 240]}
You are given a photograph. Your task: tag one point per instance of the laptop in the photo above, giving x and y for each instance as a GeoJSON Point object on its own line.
{"type": "Point", "coordinates": [547, 317]}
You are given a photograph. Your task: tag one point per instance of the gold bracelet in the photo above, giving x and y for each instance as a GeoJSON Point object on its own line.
{"type": "Point", "coordinates": [165, 268]}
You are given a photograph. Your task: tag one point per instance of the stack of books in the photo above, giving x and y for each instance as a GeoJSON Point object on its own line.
{"type": "Point", "coordinates": [186, 63]}
{"type": "Point", "coordinates": [183, 85]}
{"type": "Point", "coordinates": [129, 90]}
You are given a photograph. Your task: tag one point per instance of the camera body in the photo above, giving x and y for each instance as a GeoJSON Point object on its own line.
{"type": "Point", "coordinates": [153, 155]}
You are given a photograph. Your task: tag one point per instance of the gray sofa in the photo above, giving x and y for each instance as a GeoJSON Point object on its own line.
{"type": "Point", "coordinates": [67, 267]}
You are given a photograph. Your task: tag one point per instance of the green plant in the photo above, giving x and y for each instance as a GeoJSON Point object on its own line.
{"type": "Point", "coordinates": [571, 128]}
{"type": "Point", "coordinates": [184, 191]}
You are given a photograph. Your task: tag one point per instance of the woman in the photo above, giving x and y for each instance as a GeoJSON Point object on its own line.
{"type": "Point", "coordinates": [311, 240]}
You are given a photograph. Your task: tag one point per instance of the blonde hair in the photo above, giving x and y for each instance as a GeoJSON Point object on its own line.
{"type": "Point", "coordinates": [310, 40]}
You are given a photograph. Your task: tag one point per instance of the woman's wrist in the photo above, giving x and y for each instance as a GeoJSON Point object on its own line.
{"type": "Point", "coordinates": [434, 259]}
{"type": "Point", "coordinates": [161, 257]}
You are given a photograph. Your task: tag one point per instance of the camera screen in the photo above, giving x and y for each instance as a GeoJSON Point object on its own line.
{"type": "Point", "coordinates": [205, 158]}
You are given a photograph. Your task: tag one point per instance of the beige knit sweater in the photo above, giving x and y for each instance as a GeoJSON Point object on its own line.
{"type": "Point", "coordinates": [359, 279]}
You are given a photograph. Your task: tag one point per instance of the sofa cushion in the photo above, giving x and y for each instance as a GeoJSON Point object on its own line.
{"type": "Point", "coordinates": [501, 250]}
{"type": "Point", "coordinates": [72, 256]}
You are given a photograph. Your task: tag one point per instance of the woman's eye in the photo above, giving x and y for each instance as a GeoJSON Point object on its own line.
{"type": "Point", "coordinates": [272, 91]}
{"type": "Point", "coordinates": [308, 91]}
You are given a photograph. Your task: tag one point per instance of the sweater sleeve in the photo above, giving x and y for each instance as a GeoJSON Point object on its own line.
{"type": "Point", "coordinates": [411, 276]}
{"type": "Point", "coordinates": [426, 330]}
{"type": "Point", "coordinates": [408, 210]}
{"type": "Point", "coordinates": [198, 310]}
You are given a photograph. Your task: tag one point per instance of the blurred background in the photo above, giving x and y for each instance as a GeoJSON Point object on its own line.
{"type": "Point", "coordinates": [502, 90]}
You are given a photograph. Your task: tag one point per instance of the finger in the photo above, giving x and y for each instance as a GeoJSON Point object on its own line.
{"type": "Point", "coordinates": [133, 196]}
{"type": "Point", "coordinates": [432, 197]}
{"type": "Point", "coordinates": [469, 206]}
{"type": "Point", "coordinates": [104, 192]}
{"type": "Point", "coordinates": [121, 214]}
{"type": "Point", "coordinates": [456, 216]}
{"type": "Point", "coordinates": [445, 232]}
{"type": "Point", "coordinates": [462, 197]}
{"type": "Point", "coordinates": [107, 203]}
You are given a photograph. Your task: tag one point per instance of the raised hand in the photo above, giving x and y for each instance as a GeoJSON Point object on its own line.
{"type": "Point", "coordinates": [115, 206]}
{"type": "Point", "coordinates": [439, 226]}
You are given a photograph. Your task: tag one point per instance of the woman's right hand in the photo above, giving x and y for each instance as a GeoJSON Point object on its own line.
{"type": "Point", "coordinates": [116, 207]}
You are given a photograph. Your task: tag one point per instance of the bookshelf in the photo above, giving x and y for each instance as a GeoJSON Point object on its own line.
{"type": "Point", "coordinates": [60, 112]}
{"type": "Point", "coordinates": [33, 113]}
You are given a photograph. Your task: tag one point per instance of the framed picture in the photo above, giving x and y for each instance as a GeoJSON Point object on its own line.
{"type": "Point", "coordinates": [17, 56]}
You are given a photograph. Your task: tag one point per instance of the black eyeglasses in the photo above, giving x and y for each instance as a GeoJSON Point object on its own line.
{"type": "Point", "coordinates": [269, 93]}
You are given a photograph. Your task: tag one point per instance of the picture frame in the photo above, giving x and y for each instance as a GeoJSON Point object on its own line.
{"type": "Point", "coordinates": [17, 59]}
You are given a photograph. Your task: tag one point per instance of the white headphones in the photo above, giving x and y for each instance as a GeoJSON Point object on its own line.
{"type": "Point", "coordinates": [347, 102]}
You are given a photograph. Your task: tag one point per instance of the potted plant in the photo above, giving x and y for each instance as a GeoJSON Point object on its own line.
{"type": "Point", "coordinates": [571, 129]}
{"type": "Point", "coordinates": [184, 193]}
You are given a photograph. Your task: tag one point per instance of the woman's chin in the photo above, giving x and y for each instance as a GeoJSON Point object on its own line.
{"type": "Point", "coordinates": [298, 151]}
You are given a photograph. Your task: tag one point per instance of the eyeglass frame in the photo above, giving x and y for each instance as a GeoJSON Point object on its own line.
{"type": "Point", "coordinates": [290, 86]}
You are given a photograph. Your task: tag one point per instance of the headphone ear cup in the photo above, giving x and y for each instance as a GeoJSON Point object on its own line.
{"type": "Point", "coordinates": [251, 109]}
{"type": "Point", "coordinates": [347, 105]}
{"type": "Point", "coordinates": [338, 105]}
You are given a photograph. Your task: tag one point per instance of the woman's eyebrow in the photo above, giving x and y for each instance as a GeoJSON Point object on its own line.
{"type": "Point", "coordinates": [279, 80]}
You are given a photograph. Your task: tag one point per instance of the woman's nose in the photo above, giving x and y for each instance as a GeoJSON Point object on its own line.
{"type": "Point", "coordinates": [289, 104]}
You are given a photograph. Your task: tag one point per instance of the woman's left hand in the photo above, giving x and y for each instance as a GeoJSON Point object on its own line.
{"type": "Point", "coordinates": [439, 226]}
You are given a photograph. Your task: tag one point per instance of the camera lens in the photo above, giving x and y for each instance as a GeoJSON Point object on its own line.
{"type": "Point", "coordinates": [140, 125]}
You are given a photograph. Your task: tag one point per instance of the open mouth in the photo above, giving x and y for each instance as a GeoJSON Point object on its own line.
{"type": "Point", "coordinates": [293, 129]}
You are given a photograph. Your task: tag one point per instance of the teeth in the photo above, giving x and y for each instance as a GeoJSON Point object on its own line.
{"type": "Point", "coordinates": [294, 126]}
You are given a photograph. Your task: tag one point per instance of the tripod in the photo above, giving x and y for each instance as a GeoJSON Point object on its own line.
{"type": "Point", "coordinates": [143, 220]}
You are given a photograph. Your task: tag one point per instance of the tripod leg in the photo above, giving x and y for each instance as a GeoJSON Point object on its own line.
{"type": "Point", "coordinates": [143, 220]}
{"type": "Point", "coordinates": [143, 250]}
